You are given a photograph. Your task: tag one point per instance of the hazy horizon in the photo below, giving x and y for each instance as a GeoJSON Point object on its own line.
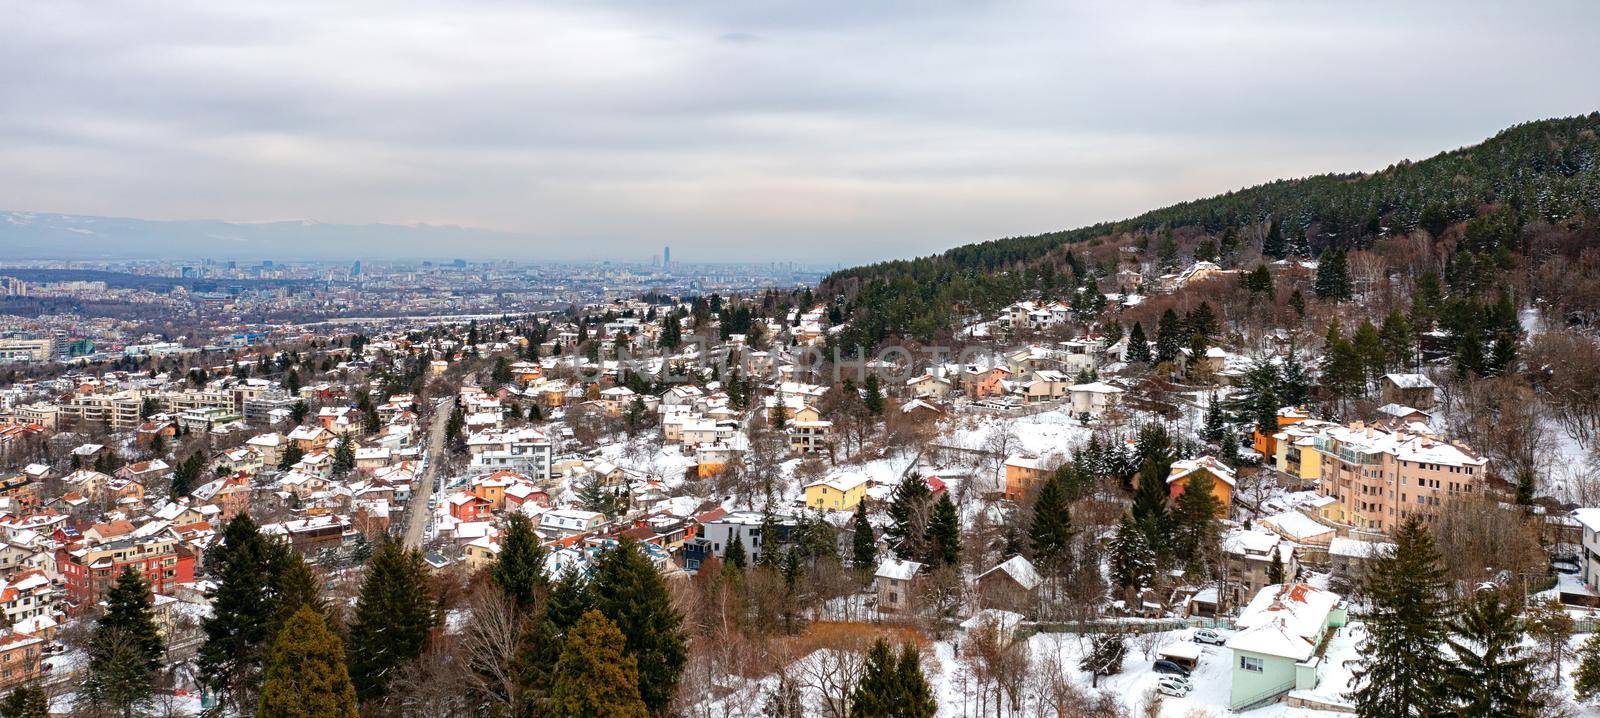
{"type": "Point", "coordinates": [830, 133]}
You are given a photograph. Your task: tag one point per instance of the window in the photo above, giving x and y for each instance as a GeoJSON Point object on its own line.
{"type": "Point", "coordinates": [1254, 665]}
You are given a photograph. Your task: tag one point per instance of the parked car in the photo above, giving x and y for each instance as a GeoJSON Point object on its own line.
{"type": "Point", "coordinates": [1209, 636]}
{"type": "Point", "coordinates": [1165, 666]}
{"type": "Point", "coordinates": [1173, 686]}
{"type": "Point", "coordinates": [1178, 680]}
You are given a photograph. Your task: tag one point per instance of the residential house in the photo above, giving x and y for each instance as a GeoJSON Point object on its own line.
{"type": "Point", "coordinates": [1409, 389]}
{"type": "Point", "coordinates": [1278, 643]}
{"type": "Point", "coordinates": [895, 581]}
{"type": "Point", "coordinates": [1013, 585]}
{"type": "Point", "coordinates": [1222, 478]}
{"type": "Point", "coordinates": [839, 492]}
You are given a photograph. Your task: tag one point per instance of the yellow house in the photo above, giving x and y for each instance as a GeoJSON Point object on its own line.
{"type": "Point", "coordinates": [837, 493]}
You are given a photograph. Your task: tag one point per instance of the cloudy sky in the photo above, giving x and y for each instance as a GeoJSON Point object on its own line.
{"type": "Point", "coordinates": [829, 132]}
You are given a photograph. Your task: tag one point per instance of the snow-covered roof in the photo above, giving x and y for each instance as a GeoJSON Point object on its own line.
{"type": "Point", "coordinates": [1296, 526]}
{"type": "Point", "coordinates": [1284, 620]}
{"type": "Point", "coordinates": [898, 570]}
{"type": "Point", "coordinates": [1410, 381]}
{"type": "Point", "coordinates": [1020, 570]}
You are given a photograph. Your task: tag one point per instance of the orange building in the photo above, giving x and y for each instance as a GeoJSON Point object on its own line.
{"type": "Point", "coordinates": [1222, 478]}
{"type": "Point", "coordinates": [1023, 472]}
{"type": "Point", "coordinates": [1265, 444]}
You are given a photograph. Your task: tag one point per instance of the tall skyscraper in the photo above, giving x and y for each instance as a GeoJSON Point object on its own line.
{"type": "Point", "coordinates": [666, 257]}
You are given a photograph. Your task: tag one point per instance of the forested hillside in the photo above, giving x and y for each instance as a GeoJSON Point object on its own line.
{"type": "Point", "coordinates": [1544, 173]}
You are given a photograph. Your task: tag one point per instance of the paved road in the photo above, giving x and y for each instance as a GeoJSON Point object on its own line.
{"type": "Point", "coordinates": [417, 513]}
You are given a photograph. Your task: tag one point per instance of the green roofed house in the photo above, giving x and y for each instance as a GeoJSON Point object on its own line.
{"type": "Point", "coordinates": [1280, 639]}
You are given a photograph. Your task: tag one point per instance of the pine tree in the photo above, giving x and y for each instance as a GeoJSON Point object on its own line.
{"type": "Point", "coordinates": [1133, 564]}
{"type": "Point", "coordinates": [519, 569]}
{"type": "Point", "coordinates": [1194, 521]}
{"type": "Point", "coordinates": [241, 612]}
{"type": "Point", "coordinates": [944, 534]}
{"type": "Point", "coordinates": [1525, 486]}
{"type": "Point", "coordinates": [872, 395]}
{"type": "Point", "coordinates": [128, 610]}
{"type": "Point", "coordinates": [1273, 245]}
{"type": "Point", "coordinates": [1275, 569]}
{"type": "Point", "coordinates": [294, 585]}
{"type": "Point", "coordinates": [1398, 673]}
{"type": "Point", "coordinates": [1138, 346]}
{"type": "Point", "coordinates": [291, 456]}
{"type": "Point", "coordinates": [892, 686]}
{"type": "Point", "coordinates": [1104, 657]}
{"type": "Point", "coordinates": [1586, 680]}
{"type": "Point", "coordinates": [305, 675]}
{"type": "Point", "coordinates": [863, 543]}
{"type": "Point", "coordinates": [595, 675]}
{"type": "Point", "coordinates": [344, 458]}
{"type": "Point", "coordinates": [768, 557]}
{"type": "Point", "coordinates": [119, 679]}
{"type": "Point", "coordinates": [631, 593]}
{"type": "Point", "coordinates": [734, 555]}
{"type": "Point", "coordinates": [1212, 431]}
{"type": "Point", "coordinates": [1050, 532]}
{"type": "Point", "coordinates": [908, 518]}
{"type": "Point", "coordinates": [1493, 672]}
{"type": "Point", "coordinates": [1150, 505]}
{"type": "Point", "coordinates": [1169, 337]}
{"type": "Point", "coordinates": [26, 701]}
{"type": "Point", "coordinates": [393, 618]}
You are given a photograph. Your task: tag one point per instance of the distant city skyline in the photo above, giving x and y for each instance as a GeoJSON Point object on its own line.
{"type": "Point", "coordinates": [833, 132]}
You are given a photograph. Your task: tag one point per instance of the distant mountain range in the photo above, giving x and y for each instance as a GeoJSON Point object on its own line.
{"type": "Point", "coordinates": [42, 235]}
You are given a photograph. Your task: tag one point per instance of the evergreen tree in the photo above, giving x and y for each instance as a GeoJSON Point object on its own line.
{"type": "Point", "coordinates": [1212, 431]}
{"type": "Point", "coordinates": [26, 701]}
{"type": "Point", "coordinates": [891, 686]}
{"type": "Point", "coordinates": [292, 455]}
{"type": "Point", "coordinates": [1398, 673]}
{"type": "Point", "coordinates": [241, 612]}
{"type": "Point", "coordinates": [1493, 673]}
{"type": "Point", "coordinates": [1525, 487]}
{"type": "Point", "coordinates": [519, 569]}
{"type": "Point", "coordinates": [119, 679]}
{"type": "Point", "coordinates": [1201, 320]}
{"type": "Point", "coordinates": [344, 458]}
{"type": "Point", "coordinates": [872, 395]}
{"type": "Point", "coordinates": [294, 586]}
{"type": "Point", "coordinates": [595, 675]}
{"type": "Point", "coordinates": [629, 590]}
{"type": "Point", "coordinates": [500, 375]}
{"type": "Point", "coordinates": [1586, 680]}
{"type": "Point", "coordinates": [863, 543]}
{"type": "Point", "coordinates": [1138, 346]}
{"type": "Point", "coordinates": [1194, 521]}
{"type": "Point", "coordinates": [1333, 276]}
{"type": "Point", "coordinates": [1297, 301]}
{"type": "Point", "coordinates": [305, 675]}
{"type": "Point", "coordinates": [1050, 532]}
{"type": "Point", "coordinates": [1169, 337]}
{"type": "Point", "coordinates": [944, 534]}
{"type": "Point", "coordinates": [734, 555]}
{"type": "Point", "coordinates": [908, 518]}
{"type": "Point", "coordinates": [1133, 564]}
{"type": "Point", "coordinates": [1150, 505]}
{"type": "Point", "coordinates": [1275, 569]}
{"type": "Point", "coordinates": [128, 609]}
{"type": "Point", "coordinates": [393, 618]}
{"type": "Point", "coordinates": [1273, 245]}
{"type": "Point", "coordinates": [1104, 657]}
{"type": "Point", "coordinates": [768, 556]}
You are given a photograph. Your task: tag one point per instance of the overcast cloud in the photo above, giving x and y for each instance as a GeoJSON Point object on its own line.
{"type": "Point", "coordinates": [830, 132]}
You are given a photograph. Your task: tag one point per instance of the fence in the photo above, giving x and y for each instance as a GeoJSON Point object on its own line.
{"type": "Point", "coordinates": [1126, 625]}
